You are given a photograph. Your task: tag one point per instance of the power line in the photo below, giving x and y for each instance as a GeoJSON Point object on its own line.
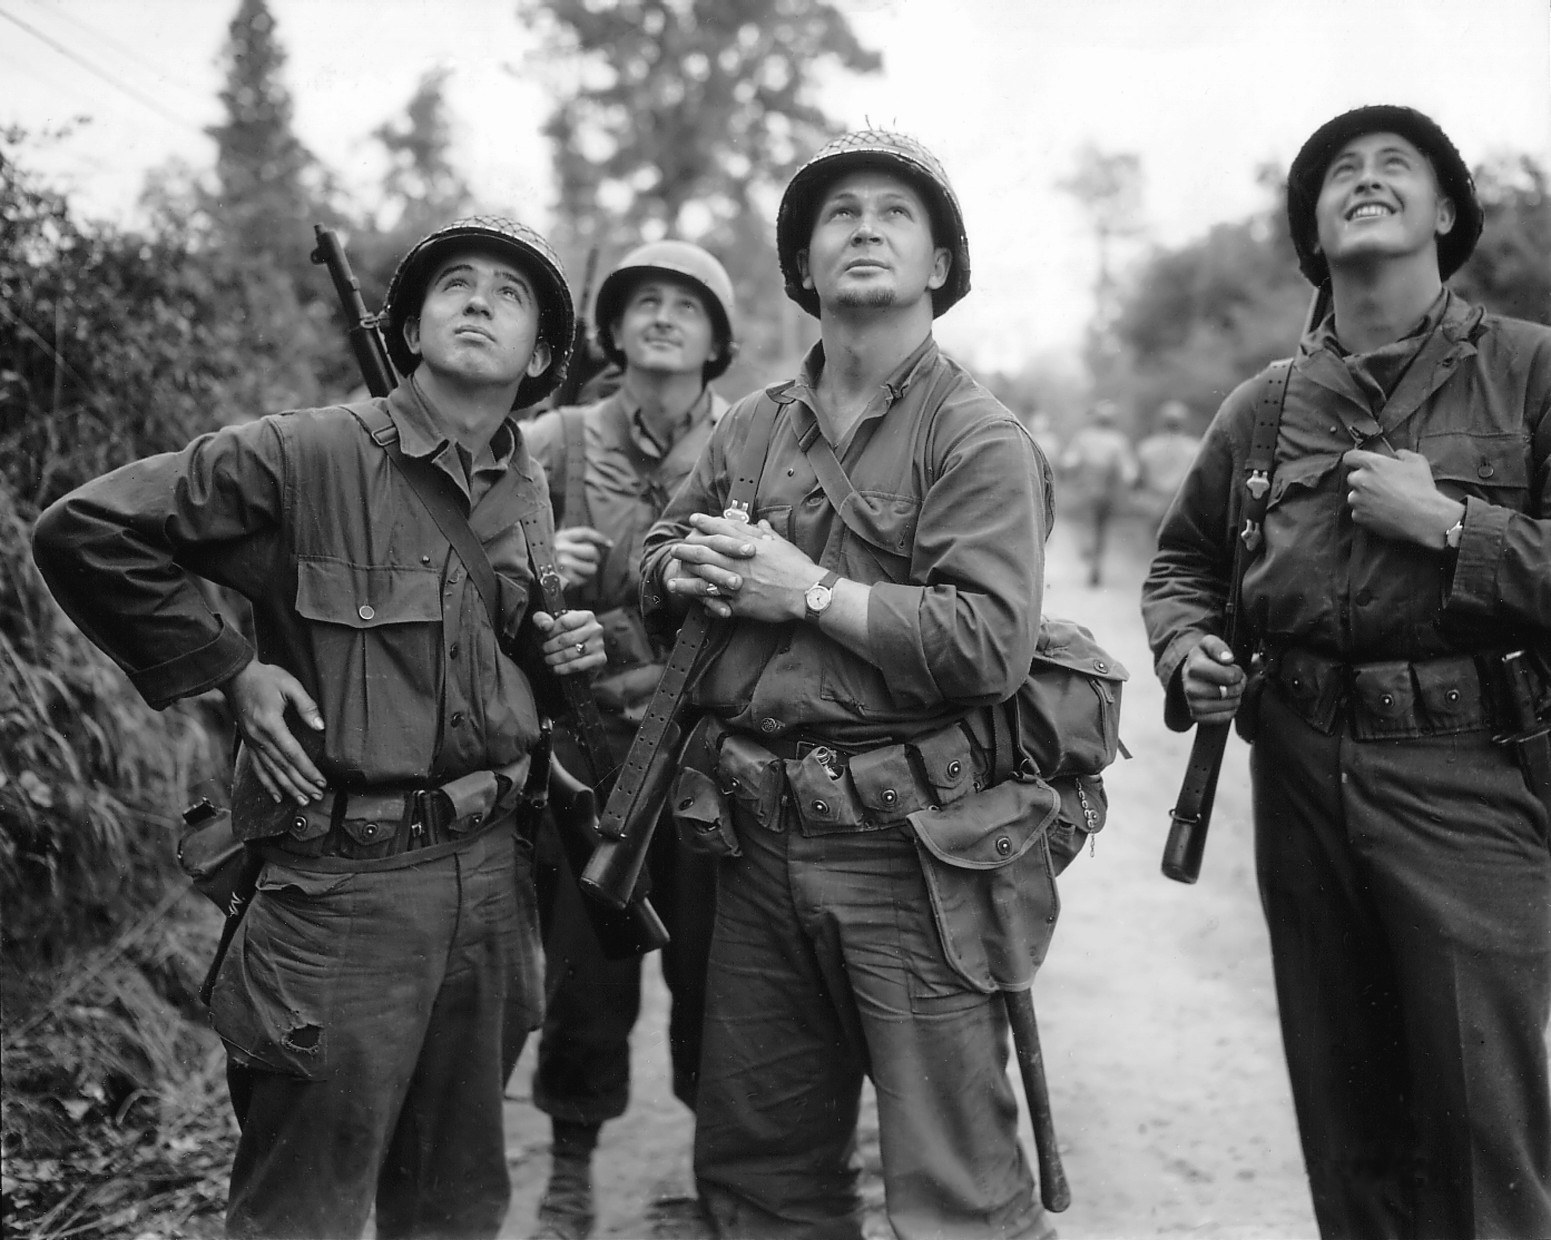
{"type": "Point", "coordinates": [122, 50]}
{"type": "Point", "coordinates": [70, 54]}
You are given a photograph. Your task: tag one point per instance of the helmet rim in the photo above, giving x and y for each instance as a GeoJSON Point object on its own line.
{"type": "Point", "coordinates": [557, 314]}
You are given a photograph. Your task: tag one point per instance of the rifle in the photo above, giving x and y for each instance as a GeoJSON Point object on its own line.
{"type": "Point", "coordinates": [571, 386]}
{"type": "Point", "coordinates": [634, 928]}
{"type": "Point", "coordinates": [1191, 817]}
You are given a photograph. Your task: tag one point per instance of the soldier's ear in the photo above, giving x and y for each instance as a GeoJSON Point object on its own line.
{"type": "Point", "coordinates": [1445, 217]}
{"type": "Point", "coordinates": [412, 334]}
{"type": "Point", "coordinates": [539, 359]}
{"type": "Point", "coordinates": [802, 269]}
{"type": "Point", "coordinates": [942, 264]}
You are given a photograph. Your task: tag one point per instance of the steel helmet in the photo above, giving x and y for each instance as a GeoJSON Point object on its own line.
{"type": "Point", "coordinates": [1307, 175]}
{"type": "Point", "coordinates": [557, 317]}
{"type": "Point", "coordinates": [685, 261]}
{"type": "Point", "coordinates": [872, 148]}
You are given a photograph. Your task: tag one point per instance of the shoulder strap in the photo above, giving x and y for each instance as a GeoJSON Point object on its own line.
{"type": "Point", "coordinates": [573, 449]}
{"type": "Point", "coordinates": [626, 803]}
{"type": "Point", "coordinates": [1258, 468]}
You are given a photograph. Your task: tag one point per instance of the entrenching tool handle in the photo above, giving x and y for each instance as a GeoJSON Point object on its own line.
{"type": "Point", "coordinates": [1192, 814]}
{"type": "Point", "coordinates": [1054, 1191]}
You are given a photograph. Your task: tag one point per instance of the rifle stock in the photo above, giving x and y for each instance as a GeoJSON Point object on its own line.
{"type": "Point", "coordinates": [615, 867]}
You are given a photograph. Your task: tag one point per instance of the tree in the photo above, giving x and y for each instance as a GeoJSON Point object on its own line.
{"type": "Point", "coordinates": [263, 205]}
{"type": "Point", "coordinates": [686, 118]}
{"type": "Point", "coordinates": [422, 189]}
{"type": "Point", "coordinates": [1510, 271]}
{"type": "Point", "coordinates": [1108, 187]}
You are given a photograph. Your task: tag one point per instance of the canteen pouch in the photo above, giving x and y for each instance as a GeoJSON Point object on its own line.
{"type": "Point", "coordinates": [210, 853]}
{"type": "Point", "coordinates": [702, 814]}
{"type": "Point", "coordinates": [990, 879]}
{"type": "Point", "coordinates": [1068, 706]}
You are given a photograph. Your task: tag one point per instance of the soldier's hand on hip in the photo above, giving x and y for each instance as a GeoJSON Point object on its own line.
{"type": "Point", "coordinates": [579, 551]}
{"type": "Point", "coordinates": [1213, 683]}
{"type": "Point", "coordinates": [1396, 497]}
{"type": "Point", "coordinates": [259, 696]}
{"type": "Point", "coordinates": [573, 642]}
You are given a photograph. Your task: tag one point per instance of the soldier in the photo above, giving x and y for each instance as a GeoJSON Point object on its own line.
{"type": "Point", "coordinates": [1098, 468]}
{"type": "Point", "coordinates": [390, 957]}
{"type": "Point", "coordinates": [1163, 458]}
{"type": "Point", "coordinates": [663, 316]}
{"type": "Point", "coordinates": [1402, 855]}
{"type": "Point", "coordinates": [843, 703]}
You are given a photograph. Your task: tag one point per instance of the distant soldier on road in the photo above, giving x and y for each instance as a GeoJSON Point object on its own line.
{"type": "Point", "coordinates": [664, 317]}
{"type": "Point", "coordinates": [390, 958]}
{"type": "Point", "coordinates": [846, 709]}
{"type": "Point", "coordinates": [1400, 600]}
{"type": "Point", "coordinates": [1098, 470]}
{"type": "Point", "coordinates": [1163, 458]}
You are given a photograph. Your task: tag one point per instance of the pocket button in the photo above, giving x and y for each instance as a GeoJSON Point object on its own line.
{"type": "Point", "coordinates": [1003, 845]}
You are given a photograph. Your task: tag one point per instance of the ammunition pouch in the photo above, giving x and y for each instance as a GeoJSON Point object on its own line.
{"type": "Point", "coordinates": [1390, 700]}
{"type": "Point", "coordinates": [702, 813]}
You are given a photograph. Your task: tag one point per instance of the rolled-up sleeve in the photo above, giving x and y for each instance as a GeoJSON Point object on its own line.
{"type": "Point", "coordinates": [967, 634]}
{"type": "Point", "coordinates": [117, 554]}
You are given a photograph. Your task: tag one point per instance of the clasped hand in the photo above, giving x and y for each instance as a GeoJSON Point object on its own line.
{"type": "Point", "coordinates": [1396, 497]}
{"type": "Point", "coordinates": [736, 569]}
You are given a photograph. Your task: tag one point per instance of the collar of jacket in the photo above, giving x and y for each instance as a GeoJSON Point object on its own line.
{"type": "Point", "coordinates": [1440, 354]}
{"type": "Point", "coordinates": [421, 436]}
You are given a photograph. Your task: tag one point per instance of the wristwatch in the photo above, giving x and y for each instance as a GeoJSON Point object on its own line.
{"type": "Point", "coordinates": [1453, 534]}
{"type": "Point", "coordinates": [817, 597]}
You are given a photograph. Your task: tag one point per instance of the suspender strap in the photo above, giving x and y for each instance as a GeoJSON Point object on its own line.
{"type": "Point", "coordinates": [631, 798]}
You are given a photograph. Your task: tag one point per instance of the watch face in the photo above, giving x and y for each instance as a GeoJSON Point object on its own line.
{"type": "Point", "coordinates": [817, 598]}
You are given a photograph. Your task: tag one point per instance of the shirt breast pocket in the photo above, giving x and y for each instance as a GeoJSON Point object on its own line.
{"type": "Point", "coordinates": [880, 531]}
{"type": "Point", "coordinates": [1494, 468]}
{"type": "Point", "coordinates": [376, 638]}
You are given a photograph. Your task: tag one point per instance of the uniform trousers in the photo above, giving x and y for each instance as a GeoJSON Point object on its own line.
{"type": "Point", "coordinates": [366, 1016]}
{"type": "Point", "coordinates": [827, 967]}
{"type": "Point", "coordinates": [1407, 888]}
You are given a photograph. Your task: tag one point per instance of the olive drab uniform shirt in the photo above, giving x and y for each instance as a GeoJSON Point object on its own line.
{"type": "Point", "coordinates": [355, 590]}
{"type": "Point", "coordinates": [1472, 393]}
{"type": "Point", "coordinates": [949, 480]}
{"type": "Point", "coordinates": [628, 479]}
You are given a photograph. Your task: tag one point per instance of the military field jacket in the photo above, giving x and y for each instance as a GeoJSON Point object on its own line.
{"type": "Point", "coordinates": [354, 589]}
{"type": "Point", "coordinates": [1476, 402]}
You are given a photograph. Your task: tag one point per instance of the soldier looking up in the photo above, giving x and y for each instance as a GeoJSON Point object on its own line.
{"type": "Point", "coordinates": [664, 315]}
{"type": "Point", "coordinates": [841, 703]}
{"type": "Point", "coordinates": [1402, 855]}
{"type": "Point", "coordinates": [390, 956]}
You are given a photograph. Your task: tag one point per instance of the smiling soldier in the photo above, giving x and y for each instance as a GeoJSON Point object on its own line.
{"type": "Point", "coordinates": [663, 314]}
{"type": "Point", "coordinates": [390, 956]}
{"type": "Point", "coordinates": [1402, 855]}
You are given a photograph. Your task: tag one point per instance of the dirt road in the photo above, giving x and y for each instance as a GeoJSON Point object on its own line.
{"type": "Point", "coordinates": [1156, 1013]}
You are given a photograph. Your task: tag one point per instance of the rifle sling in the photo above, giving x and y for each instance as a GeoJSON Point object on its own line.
{"type": "Point", "coordinates": [1200, 780]}
{"type": "Point", "coordinates": [622, 809]}
{"type": "Point", "coordinates": [431, 490]}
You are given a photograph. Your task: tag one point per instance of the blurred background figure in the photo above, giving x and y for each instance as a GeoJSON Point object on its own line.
{"type": "Point", "coordinates": [1096, 470]}
{"type": "Point", "coordinates": [1163, 458]}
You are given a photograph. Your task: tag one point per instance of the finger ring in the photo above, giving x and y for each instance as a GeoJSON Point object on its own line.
{"type": "Point", "coordinates": [711, 590]}
{"type": "Point", "coordinates": [1222, 692]}
{"type": "Point", "coordinates": [581, 647]}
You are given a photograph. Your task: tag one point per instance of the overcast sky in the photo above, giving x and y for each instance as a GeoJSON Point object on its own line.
{"type": "Point", "coordinates": [1005, 91]}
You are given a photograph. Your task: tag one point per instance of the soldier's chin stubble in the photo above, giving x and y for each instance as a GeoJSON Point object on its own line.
{"type": "Point", "coordinates": [865, 298]}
